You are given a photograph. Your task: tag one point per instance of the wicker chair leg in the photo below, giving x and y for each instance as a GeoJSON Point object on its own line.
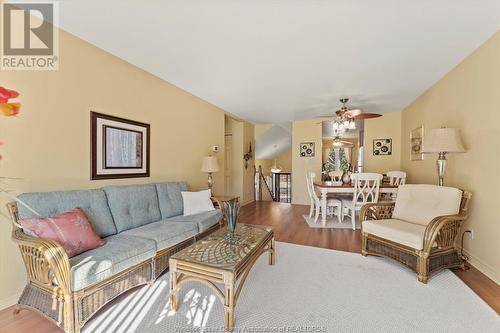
{"type": "Point", "coordinates": [364, 253]}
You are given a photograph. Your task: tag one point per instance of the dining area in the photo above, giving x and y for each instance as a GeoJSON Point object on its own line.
{"type": "Point", "coordinates": [338, 199]}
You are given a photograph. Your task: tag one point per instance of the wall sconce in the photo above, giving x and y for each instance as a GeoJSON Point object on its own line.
{"type": "Point", "coordinates": [248, 156]}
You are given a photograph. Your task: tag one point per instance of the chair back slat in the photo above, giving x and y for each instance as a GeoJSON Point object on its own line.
{"type": "Point", "coordinates": [396, 178]}
{"type": "Point", "coordinates": [366, 187]}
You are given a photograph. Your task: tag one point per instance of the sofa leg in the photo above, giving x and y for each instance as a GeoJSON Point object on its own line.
{"type": "Point", "coordinates": [423, 278]}
{"type": "Point", "coordinates": [422, 269]}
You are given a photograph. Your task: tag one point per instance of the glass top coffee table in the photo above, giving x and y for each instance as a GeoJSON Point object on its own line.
{"type": "Point", "coordinates": [214, 259]}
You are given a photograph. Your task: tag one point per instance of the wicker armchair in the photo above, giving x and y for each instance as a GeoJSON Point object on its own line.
{"type": "Point", "coordinates": [438, 249]}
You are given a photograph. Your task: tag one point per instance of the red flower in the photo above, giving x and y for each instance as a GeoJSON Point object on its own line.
{"type": "Point", "coordinates": [6, 94]}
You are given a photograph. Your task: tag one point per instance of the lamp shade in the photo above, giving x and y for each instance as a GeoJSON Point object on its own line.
{"type": "Point", "coordinates": [446, 140]}
{"type": "Point", "coordinates": [209, 164]}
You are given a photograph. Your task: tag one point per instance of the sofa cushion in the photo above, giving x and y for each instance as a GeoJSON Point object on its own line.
{"type": "Point", "coordinates": [165, 234]}
{"type": "Point", "coordinates": [71, 229]}
{"type": "Point", "coordinates": [204, 220]}
{"type": "Point", "coordinates": [401, 232]}
{"type": "Point", "coordinates": [45, 204]}
{"type": "Point", "coordinates": [421, 203]}
{"type": "Point", "coordinates": [170, 198]}
{"type": "Point", "coordinates": [119, 253]}
{"type": "Point", "coordinates": [133, 205]}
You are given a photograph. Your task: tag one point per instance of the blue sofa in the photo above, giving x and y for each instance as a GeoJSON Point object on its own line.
{"type": "Point", "coordinates": [142, 225]}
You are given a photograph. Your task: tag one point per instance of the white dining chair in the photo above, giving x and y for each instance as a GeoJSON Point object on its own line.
{"type": "Point", "coordinates": [366, 190]}
{"type": "Point", "coordinates": [396, 178]}
{"type": "Point", "coordinates": [332, 205]}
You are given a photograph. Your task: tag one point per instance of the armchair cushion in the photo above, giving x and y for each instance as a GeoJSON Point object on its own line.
{"type": "Point", "coordinates": [119, 253]}
{"type": "Point", "coordinates": [401, 232]}
{"type": "Point", "coordinates": [421, 203]}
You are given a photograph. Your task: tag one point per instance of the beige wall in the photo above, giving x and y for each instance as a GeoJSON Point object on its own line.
{"type": "Point", "coordinates": [47, 145]}
{"type": "Point", "coordinates": [249, 171]}
{"type": "Point", "coordinates": [305, 131]}
{"type": "Point", "coordinates": [467, 98]}
{"type": "Point", "coordinates": [242, 134]}
{"type": "Point", "coordinates": [283, 160]}
{"type": "Point", "coordinates": [386, 127]}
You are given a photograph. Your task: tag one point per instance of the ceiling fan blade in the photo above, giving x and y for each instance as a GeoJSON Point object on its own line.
{"type": "Point", "coordinates": [367, 116]}
{"type": "Point", "coordinates": [353, 113]}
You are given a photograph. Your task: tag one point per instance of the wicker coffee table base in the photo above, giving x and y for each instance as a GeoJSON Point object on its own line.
{"type": "Point", "coordinates": [183, 271]}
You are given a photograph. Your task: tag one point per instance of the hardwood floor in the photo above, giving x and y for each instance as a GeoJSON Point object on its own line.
{"type": "Point", "coordinates": [290, 227]}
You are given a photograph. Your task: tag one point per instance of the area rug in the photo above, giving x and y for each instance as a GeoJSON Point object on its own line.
{"type": "Point", "coordinates": [311, 290]}
{"type": "Point", "coordinates": [332, 222]}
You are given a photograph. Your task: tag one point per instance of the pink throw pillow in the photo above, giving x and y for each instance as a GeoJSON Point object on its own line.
{"type": "Point", "coordinates": [71, 229]}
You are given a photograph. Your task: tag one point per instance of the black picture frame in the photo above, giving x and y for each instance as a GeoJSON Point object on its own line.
{"type": "Point", "coordinates": [126, 139]}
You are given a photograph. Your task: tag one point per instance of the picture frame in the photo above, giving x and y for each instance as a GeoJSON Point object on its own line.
{"type": "Point", "coordinates": [120, 148]}
{"type": "Point", "coordinates": [416, 139]}
{"type": "Point", "coordinates": [382, 147]}
{"type": "Point", "coordinates": [307, 149]}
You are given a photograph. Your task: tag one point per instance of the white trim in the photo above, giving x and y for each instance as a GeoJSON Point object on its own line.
{"type": "Point", "coordinates": [483, 268]}
{"type": "Point", "coordinates": [9, 301]}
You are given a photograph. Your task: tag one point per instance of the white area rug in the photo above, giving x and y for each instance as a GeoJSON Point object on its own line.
{"type": "Point", "coordinates": [312, 289]}
{"type": "Point", "coordinates": [332, 222]}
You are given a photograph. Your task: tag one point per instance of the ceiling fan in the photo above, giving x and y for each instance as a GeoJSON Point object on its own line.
{"type": "Point", "coordinates": [338, 143]}
{"type": "Point", "coordinates": [344, 117]}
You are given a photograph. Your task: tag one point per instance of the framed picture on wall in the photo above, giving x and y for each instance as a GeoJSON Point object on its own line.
{"type": "Point", "coordinates": [382, 147]}
{"type": "Point", "coordinates": [416, 139]}
{"type": "Point", "coordinates": [119, 147]}
{"type": "Point", "coordinates": [307, 149]}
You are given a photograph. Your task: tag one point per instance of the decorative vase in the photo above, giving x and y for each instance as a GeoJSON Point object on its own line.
{"type": "Point", "coordinates": [346, 178]}
{"type": "Point", "coordinates": [232, 210]}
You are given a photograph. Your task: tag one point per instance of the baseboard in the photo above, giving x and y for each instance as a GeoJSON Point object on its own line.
{"type": "Point", "coordinates": [483, 268]}
{"type": "Point", "coordinates": [243, 203]}
{"type": "Point", "coordinates": [9, 301]}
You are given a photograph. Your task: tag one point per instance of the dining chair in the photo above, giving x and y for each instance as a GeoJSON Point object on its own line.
{"type": "Point", "coordinates": [396, 178]}
{"type": "Point", "coordinates": [332, 205]}
{"type": "Point", "coordinates": [366, 190]}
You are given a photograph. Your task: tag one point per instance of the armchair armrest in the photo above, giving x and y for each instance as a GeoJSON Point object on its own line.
{"type": "Point", "coordinates": [47, 263]}
{"type": "Point", "coordinates": [376, 211]}
{"type": "Point", "coordinates": [442, 230]}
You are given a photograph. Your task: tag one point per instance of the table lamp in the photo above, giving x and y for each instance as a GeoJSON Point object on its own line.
{"type": "Point", "coordinates": [442, 141]}
{"type": "Point", "coordinates": [210, 165]}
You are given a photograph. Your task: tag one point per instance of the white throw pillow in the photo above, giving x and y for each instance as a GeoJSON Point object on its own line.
{"type": "Point", "coordinates": [197, 202]}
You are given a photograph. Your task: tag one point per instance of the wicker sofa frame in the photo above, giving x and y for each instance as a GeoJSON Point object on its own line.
{"type": "Point", "coordinates": [48, 289]}
{"type": "Point", "coordinates": [439, 249]}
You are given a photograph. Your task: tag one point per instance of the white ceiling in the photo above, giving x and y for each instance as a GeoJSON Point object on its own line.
{"type": "Point", "coordinates": [276, 61]}
{"type": "Point", "coordinates": [274, 141]}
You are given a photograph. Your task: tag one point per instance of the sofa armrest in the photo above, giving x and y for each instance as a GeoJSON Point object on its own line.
{"type": "Point", "coordinates": [442, 230]}
{"type": "Point", "coordinates": [376, 211]}
{"type": "Point", "coordinates": [47, 263]}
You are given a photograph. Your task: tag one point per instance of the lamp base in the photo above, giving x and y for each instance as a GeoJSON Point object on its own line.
{"type": "Point", "coordinates": [441, 167]}
{"type": "Point", "coordinates": [210, 181]}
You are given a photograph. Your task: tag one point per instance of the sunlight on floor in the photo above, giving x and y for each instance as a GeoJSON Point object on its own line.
{"type": "Point", "coordinates": [199, 309]}
{"type": "Point", "coordinates": [129, 313]}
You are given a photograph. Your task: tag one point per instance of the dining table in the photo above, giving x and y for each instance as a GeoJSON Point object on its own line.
{"type": "Point", "coordinates": [326, 187]}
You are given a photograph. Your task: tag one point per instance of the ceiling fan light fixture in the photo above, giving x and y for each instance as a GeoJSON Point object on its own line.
{"type": "Point", "coordinates": [346, 123]}
{"type": "Point", "coordinates": [335, 125]}
{"type": "Point", "coordinates": [352, 125]}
